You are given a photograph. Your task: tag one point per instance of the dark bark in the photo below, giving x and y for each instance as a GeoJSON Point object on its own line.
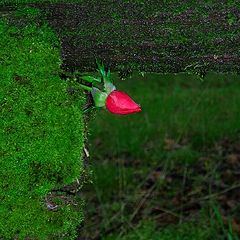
{"type": "Point", "coordinates": [173, 37]}
{"type": "Point", "coordinates": [147, 37]}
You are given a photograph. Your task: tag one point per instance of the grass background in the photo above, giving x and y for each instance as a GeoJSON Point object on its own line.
{"type": "Point", "coordinates": [148, 164]}
{"type": "Point", "coordinates": [174, 106]}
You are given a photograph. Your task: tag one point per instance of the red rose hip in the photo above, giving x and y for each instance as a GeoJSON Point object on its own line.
{"type": "Point", "coordinates": [118, 102]}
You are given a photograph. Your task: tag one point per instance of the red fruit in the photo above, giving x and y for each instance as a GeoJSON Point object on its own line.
{"type": "Point", "coordinates": [119, 102]}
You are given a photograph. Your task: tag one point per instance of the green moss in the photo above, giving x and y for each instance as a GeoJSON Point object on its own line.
{"type": "Point", "coordinates": [42, 137]}
{"type": "Point", "coordinates": [165, 36]}
{"type": "Point", "coordinates": [20, 2]}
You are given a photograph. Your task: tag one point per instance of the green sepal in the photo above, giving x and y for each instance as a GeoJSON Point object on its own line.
{"type": "Point", "coordinates": [109, 87]}
{"type": "Point", "coordinates": [101, 69]}
{"type": "Point", "coordinates": [99, 97]}
{"type": "Point", "coordinates": [107, 76]}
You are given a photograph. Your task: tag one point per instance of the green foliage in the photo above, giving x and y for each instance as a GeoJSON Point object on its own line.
{"type": "Point", "coordinates": [107, 177]}
{"type": "Point", "coordinates": [28, 12]}
{"type": "Point", "coordinates": [186, 231]}
{"type": "Point", "coordinates": [179, 107]}
{"type": "Point", "coordinates": [170, 146]}
{"type": "Point", "coordinates": [184, 155]}
{"type": "Point", "coordinates": [227, 232]}
{"type": "Point", "coordinates": [20, 2]}
{"type": "Point", "coordinates": [41, 137]}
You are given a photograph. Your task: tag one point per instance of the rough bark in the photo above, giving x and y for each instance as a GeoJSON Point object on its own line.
{"type": "Point", "coordinates": [155, 36]}
{"type": "Point", "coordinates": [150, 36]}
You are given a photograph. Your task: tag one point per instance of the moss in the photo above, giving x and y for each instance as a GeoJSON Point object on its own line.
{"type": "Point", "coordinates": [161, 36]}
{"type": "Point", "coordinates": [20, 2]}
{"type": "Point", "coordinates": [165, 36]}
{"type": "Point", "coordinates": [42, 137]}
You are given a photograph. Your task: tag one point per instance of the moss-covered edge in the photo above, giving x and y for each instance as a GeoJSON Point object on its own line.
{"type": "Point", "coordinates": [42, 134]}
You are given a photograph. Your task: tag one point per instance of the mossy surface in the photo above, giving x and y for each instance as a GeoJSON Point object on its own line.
{"type": "Point", "coordinates": [42, 134]}
{"type": "Point", "coordinates": [150, 36]}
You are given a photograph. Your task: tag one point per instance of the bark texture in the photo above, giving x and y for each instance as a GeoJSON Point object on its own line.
{"type": "Point", "coordinates": [176, 36]}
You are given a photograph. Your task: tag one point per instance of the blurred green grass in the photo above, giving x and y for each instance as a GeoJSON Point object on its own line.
{"type": "Point", "coordinates": [181, 118]}
{"type": "Point", "coordinates": [178, 107]}
{"type": "Point", "coordinates": [185, 231]}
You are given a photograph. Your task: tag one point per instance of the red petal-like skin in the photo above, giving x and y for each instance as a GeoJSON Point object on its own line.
{"type": "Point", "coordinates": [119, 102]}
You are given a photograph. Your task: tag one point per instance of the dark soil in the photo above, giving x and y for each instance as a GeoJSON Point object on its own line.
{"type": "Point", "coordinates": [184, 192]}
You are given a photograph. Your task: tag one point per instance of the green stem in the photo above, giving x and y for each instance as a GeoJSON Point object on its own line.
{"type": "Point", "coordinates": [89, 109]}
{"type": "Point", "coordinates": [86, 87]}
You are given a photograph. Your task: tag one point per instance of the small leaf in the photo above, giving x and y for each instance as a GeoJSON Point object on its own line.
{"type": "Point", "coordinates": [108, 85]}
{"type": "Point", "coordinates": [108, 76]}
{"type": "Point", "coordinates": [101, 69]}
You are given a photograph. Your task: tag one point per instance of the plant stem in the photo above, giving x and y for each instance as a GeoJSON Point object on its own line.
{"type": "Point", "coordinates": [86, 87]}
